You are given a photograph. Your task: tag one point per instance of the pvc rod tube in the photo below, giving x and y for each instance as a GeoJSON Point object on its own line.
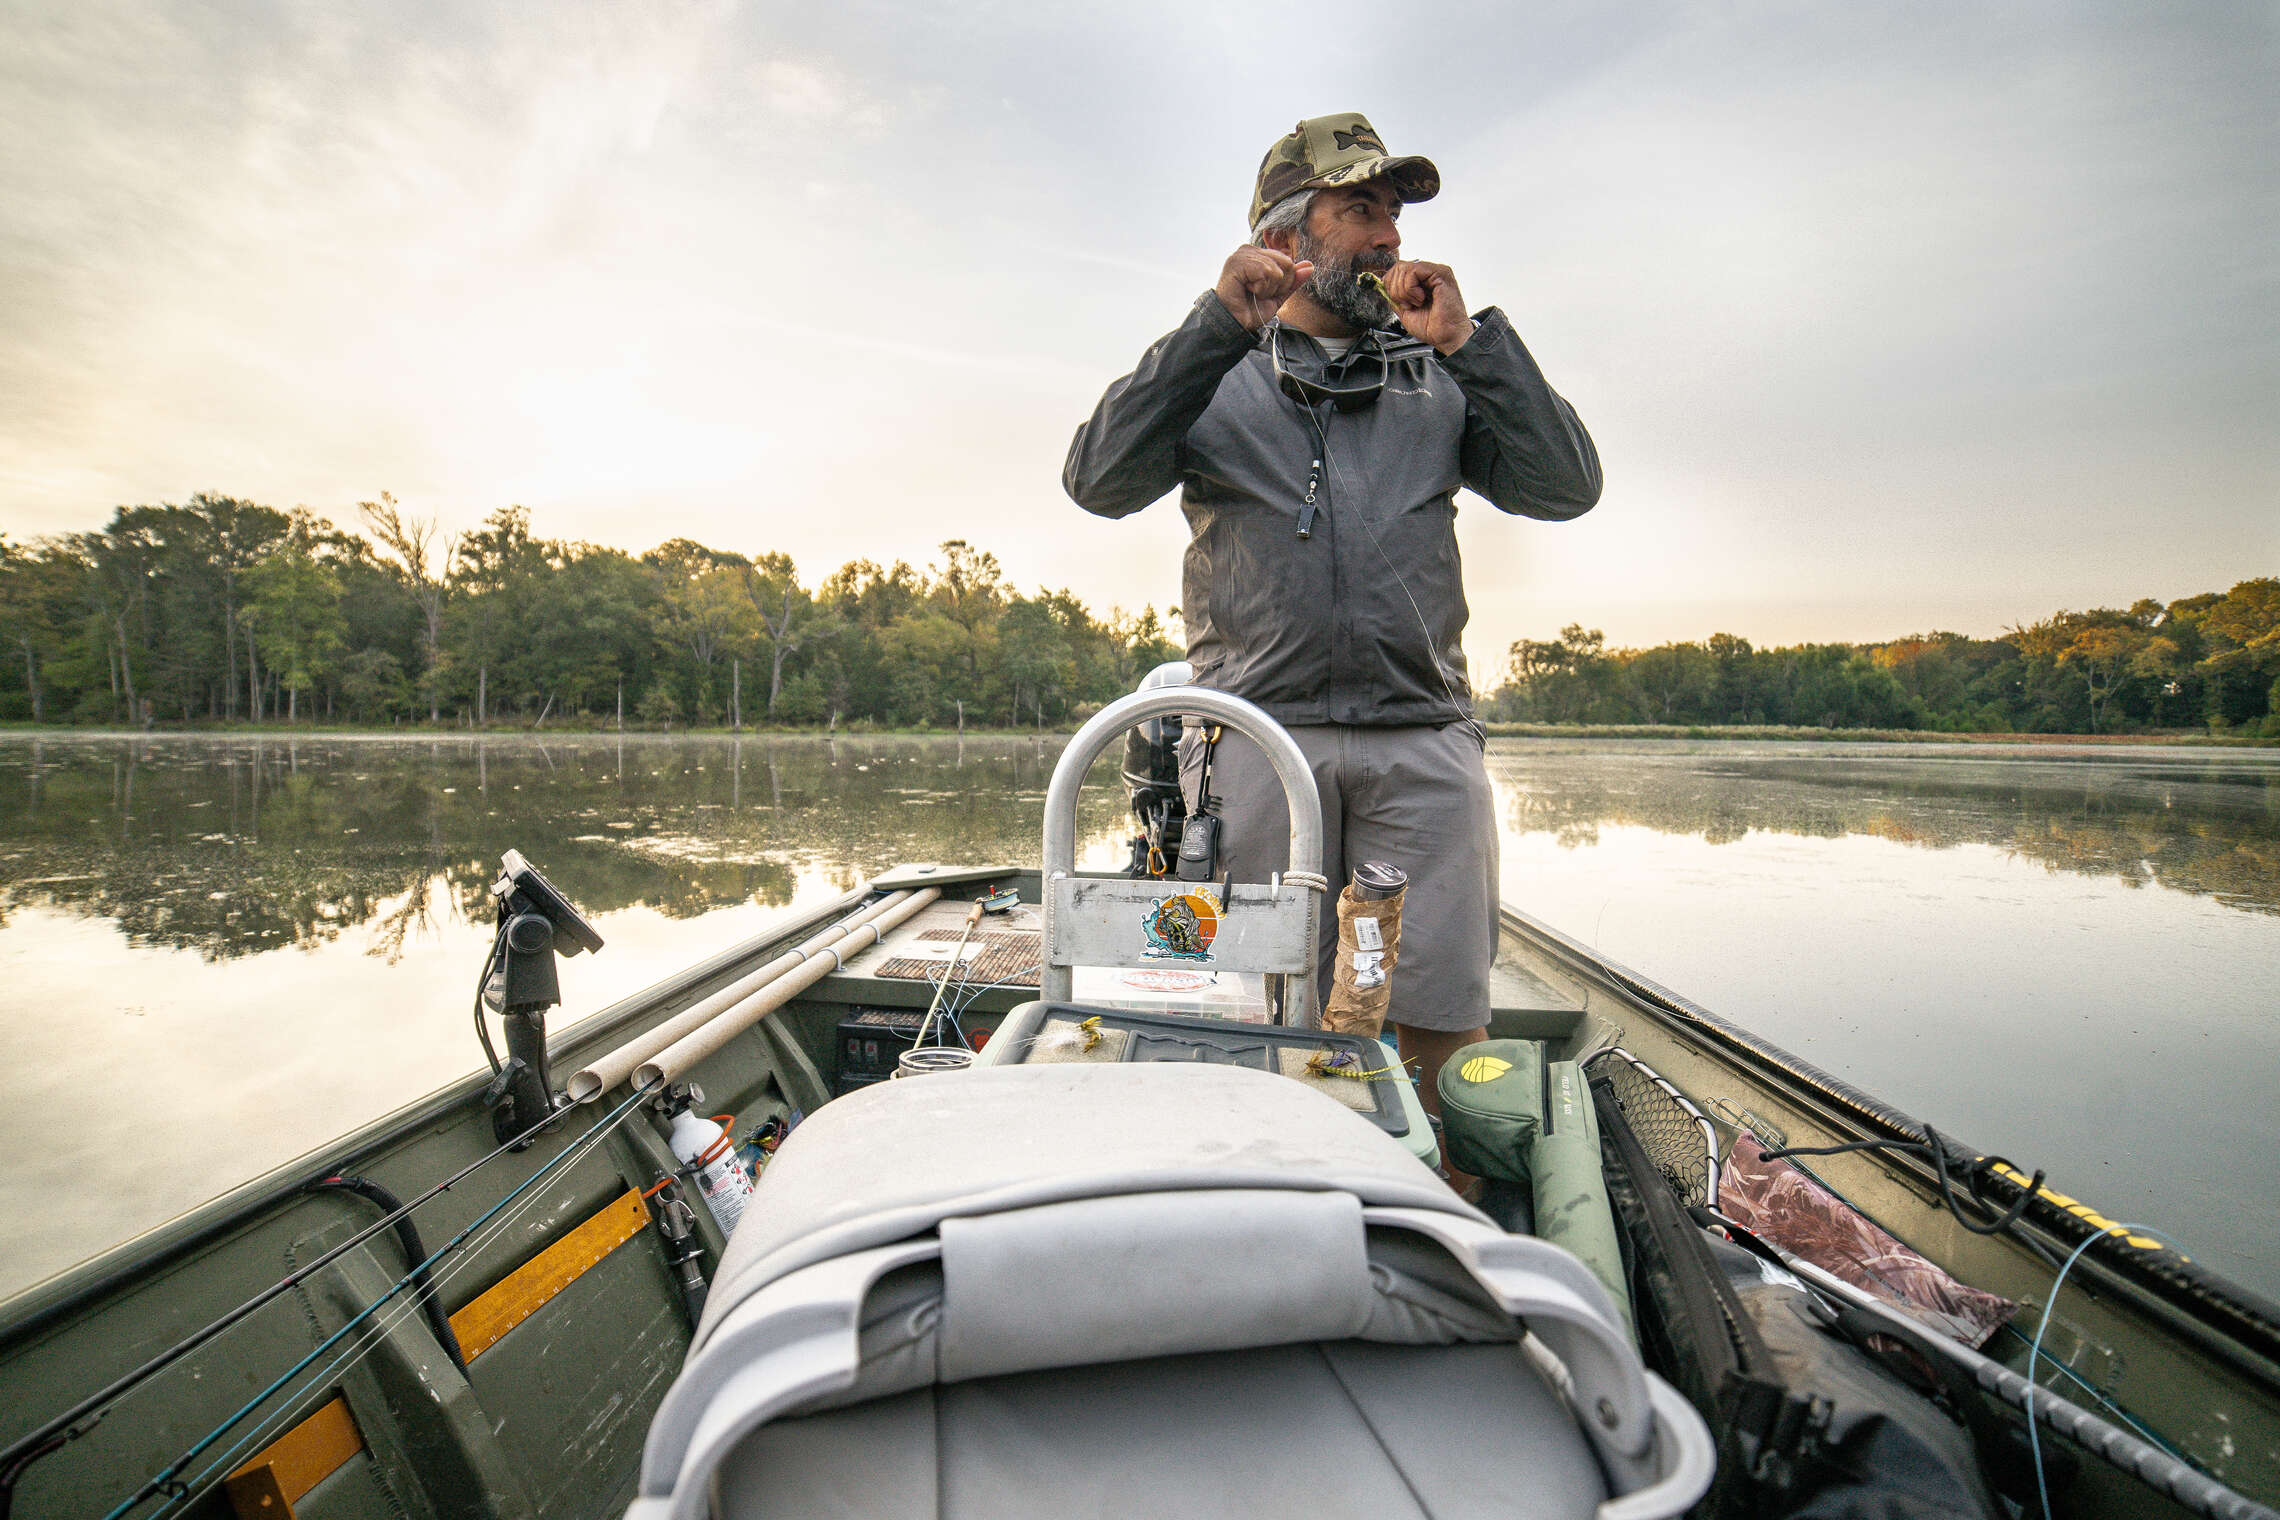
{"type": "Point", "coordinates": [671, 1063]}
{"type": "Point", "coordinates": [589, 1082]}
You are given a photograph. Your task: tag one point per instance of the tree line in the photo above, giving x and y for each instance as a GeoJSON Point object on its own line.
{"type": "Point", "coordinates": [221, 609]}
{"type": "Point", "coordinates": [2209, 661]}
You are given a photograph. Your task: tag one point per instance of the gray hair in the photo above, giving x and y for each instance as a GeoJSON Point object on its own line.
{"type": "Point", "coordinates": [1286, 215]}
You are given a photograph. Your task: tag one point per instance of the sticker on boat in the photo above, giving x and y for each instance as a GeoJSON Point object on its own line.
{"type": "Point", "coordinates": [1181, 928]}
{"type": "Point", "coordinates": [1166, 981]}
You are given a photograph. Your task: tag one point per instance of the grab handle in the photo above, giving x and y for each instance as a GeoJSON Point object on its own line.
{"type": "Point", "coordinates": [1106, 727]}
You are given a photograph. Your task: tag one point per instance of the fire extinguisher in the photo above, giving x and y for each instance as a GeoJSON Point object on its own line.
{"type": "Point", "coordinates": [705, 1152]}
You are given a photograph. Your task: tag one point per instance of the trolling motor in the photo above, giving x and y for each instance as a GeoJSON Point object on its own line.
{"type": "Point", "coordinates": [1172, 842]}
{"type": "Point", "coordinates": [519, 984]}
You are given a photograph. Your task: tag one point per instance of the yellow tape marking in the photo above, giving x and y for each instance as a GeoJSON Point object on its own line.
{"type": "Point", "coordinates": [297, 1461]}
{"type": "Point", "coordinates": [531, 1286]}
{"type": "Point", "coordinates": [2082, 1211]}
{"type": "Point", "coordinates": [312, 1451]}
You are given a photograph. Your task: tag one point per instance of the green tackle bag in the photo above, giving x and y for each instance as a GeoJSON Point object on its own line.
{"type": "Point", "coordinates": [1492, 1107]}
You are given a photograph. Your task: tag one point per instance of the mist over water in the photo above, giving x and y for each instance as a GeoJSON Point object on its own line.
{"type": "Point", "coordinates": [233, 950]}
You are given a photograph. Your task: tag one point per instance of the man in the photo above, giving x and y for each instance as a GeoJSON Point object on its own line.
{"type": "Point", "coordinates": [1319, 435]}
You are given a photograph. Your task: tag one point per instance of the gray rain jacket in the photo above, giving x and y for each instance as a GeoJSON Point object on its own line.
{"type": "Point", "coordinates": [1360, 622]}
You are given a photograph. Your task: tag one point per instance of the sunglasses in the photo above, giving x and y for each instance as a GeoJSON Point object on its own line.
{"type": "Point", "coordinates": [1351, 396]}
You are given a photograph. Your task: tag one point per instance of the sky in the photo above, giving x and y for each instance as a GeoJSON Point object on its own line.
{"type": "Point", "coordinates": [1885, 318]}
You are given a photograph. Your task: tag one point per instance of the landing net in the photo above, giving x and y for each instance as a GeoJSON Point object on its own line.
{"type": "Point", "coordinates": [1676, 1136]}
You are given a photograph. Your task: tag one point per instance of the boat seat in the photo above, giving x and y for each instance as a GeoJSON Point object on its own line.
{"type": "Point", "coordinates": [1139, 1289]}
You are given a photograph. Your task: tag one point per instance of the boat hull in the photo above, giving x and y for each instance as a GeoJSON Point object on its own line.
{"type": "Point", "coordinates": [577, 1323]}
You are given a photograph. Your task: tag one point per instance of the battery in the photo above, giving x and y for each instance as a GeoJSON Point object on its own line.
{"type": "Point", "coordinates": [870, 1040]}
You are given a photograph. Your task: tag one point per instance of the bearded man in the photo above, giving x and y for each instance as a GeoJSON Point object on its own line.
{"type": "Point", "coordinates": [1318, 410]}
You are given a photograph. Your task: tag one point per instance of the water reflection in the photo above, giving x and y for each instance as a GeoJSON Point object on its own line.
{"type": "Point", "coordinates": [2184, 821]}
{"type": "Point", "coordinates": [1876, 910]}
{"type": "Point", "coordinates": [232, 848]}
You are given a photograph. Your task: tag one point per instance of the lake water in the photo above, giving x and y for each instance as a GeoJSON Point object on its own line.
{"type": "Point", "coordinates": [219, 954]}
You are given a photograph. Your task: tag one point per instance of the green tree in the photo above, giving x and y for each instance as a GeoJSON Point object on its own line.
{"type": "Point", "coordinates": [499, 577]}
{"type": "Point", "coordinates": [1561, 677]}
{"type": "Point", "coordinates": [703, 612]}
{"type": "Point", "coordinates": [1674, 681]}
{"type": "Point", "coordinates": [2241, 630]}
{"type": "Point", "coordinates": [409, 550]}
{"type": "Point", "coordinates": [372, 684]}
{"type": "Point", "coordinates": [38, 586]}
{"type": "Point", "coordinates": [1034, 655]}
{"type": "Point", "coordinates": [295, 602]}
{"type": "Point", "coordinates": [785, 613]}
{"type": "Point", "coordinates": [234, 536]}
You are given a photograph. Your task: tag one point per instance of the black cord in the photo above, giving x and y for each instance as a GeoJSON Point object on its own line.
{"type": "Point", "coordinates": [1976, 1171]}
{"type": "Point", "coordinates": [483, 980]}
{"type": "Point", "coordinates": [1933, 1148]}
{"type": "Point", "coordinates": [415, 1252]}
{"type": "Point", "coordinates": [90, 1411]}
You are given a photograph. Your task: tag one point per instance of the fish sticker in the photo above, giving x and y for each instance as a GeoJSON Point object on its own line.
{"type": "Point", "coordinates": [1181, 928]}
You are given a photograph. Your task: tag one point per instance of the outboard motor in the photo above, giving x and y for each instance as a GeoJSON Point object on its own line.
{"type": "Point", "coordinates": [1152, 781]}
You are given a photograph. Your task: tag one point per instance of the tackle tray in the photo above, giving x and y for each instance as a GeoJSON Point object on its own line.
{"type": "Point", "coordinates": [1380, 1090]}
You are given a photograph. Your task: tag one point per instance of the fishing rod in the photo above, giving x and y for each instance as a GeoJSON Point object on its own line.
{"type": "Point", "coordinates": [521, 962]}
{"type": "Point", "coordinates": [184, 1494]}
{"type": "Point", "coordinates": [165, 1482]}
{"type": "Point", "coordinates": [65, 1428]}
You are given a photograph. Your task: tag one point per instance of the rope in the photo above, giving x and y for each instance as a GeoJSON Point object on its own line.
{"type": "Point", "coordinates": [1933, 1148]}
{"type": "Point", "coordinates": [1313, 881]}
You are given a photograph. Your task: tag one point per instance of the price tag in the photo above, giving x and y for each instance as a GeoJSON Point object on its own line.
{"type": "Point", "coordinates": [1369, 969]}
{"type": "Point", "coordinates": [1366, 934]}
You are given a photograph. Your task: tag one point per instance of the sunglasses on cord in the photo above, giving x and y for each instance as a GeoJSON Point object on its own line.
{"type": "Point", "coordinates": [1366, 359]}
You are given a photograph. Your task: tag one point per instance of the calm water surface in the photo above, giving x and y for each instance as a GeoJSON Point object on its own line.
{"type": "Point", "coordinates": [219, 954]}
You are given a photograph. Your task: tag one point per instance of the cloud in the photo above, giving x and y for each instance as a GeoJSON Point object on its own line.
{"type": "Point", "coordinates": [1882, 317]}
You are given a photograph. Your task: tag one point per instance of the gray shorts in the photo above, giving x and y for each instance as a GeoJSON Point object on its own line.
{"type": "Point", "coordinates": [1416, 797]}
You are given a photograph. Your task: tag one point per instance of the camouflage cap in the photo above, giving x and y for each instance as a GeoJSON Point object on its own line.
{"type": "Point", "coordinates": [1337, 150]}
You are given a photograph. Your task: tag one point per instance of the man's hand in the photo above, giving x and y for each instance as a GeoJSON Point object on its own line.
{"type": "Point", "coordinates": [1426, 298]}
{"type": "Point", "coordinates": [1256, 281]}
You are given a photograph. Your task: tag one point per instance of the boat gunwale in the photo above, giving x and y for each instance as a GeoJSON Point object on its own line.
{"type": "Point", "coordinates": [2185, 1290]}
{"type": "Point", "coordinates": [50, 1302]}
{"type": "Point", "coordinates": [2245, 1325]}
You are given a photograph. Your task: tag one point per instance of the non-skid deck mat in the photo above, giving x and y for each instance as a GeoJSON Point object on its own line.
{"type": "Point", "coordinates": [994, 957]}
{"type": "Point", "coordinates": [1355, 1092]}
{"type": "Point", "coordinates": [1064, 1040]}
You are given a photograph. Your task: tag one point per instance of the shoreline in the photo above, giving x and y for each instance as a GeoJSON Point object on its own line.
{"type": "Point", "coordinates": [1576, 732]}
{"type": "Point", "coordinates": [2173, 738]}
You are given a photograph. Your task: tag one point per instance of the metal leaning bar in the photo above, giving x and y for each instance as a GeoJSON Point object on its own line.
{"type": "Point", "coordinates": [1057, 983]}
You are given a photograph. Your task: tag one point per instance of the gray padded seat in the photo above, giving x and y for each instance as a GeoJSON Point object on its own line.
{"type": "Point", "coordinates": [1329, 1430]}
{"type": "Point", "coordinates": [1139, 1290]}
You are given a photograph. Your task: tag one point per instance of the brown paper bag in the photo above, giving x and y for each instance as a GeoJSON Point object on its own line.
{"type": "Point", "coordinates": [1361, 981]}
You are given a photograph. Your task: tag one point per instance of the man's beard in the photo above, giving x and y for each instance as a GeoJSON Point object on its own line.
{"type": "Point", "coordinates": [1337, 285]}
